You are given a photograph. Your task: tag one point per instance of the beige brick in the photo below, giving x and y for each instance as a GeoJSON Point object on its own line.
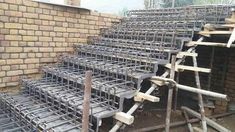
{"type": "Point", "coordinates": [22, 32]}
{"type": "Point", "coordinates": [13, 13]}
{"type": "Point", "coordinates": [31, 71]}
{"type": "Point", "coordinates": [45, 22]}
{"type": "Point", "coordinates": [2, 73]}
{"type": "Point", "coordinates": [6, 68]}
{"type": "Point", "coordinates": [73, 20]}
{"type": "Point", "coordinates": [92, 18]}
{"type": "Point", "coordinates": [57, 39]}
{"type": "Point", "coordinates": [22, 8]}
{"type": "Point", "coordinates": [13, 31]}
{"type": "Point", "coordinates": [45, 49]}
{"type": "Point", "coordinates": [15, 78]}
{"type": "Point", "coordinates": [74, 30]}
{"type": "Point", "coordinates": [38, 33]}
{"type": "Point", "coordinates": [13, 49]}
{"type": "Point", "coordinates": [2, 85]}
{"type": "Point", "coordinates": [46, 28]}
{"type": "Point", "coordinates": [13, 25]}
{"type": "Point", "coordinates": [4, 6]}
{"type": "Point", "coordinates": [59, 49]}
{"type": "Point", "coordinates": [59, 29]}
{"type": "Point", "coordinates": [23, 67]}
{"type": "Point", "coordinates": [29, 61]}
{"type": "Point", "coordinates": [45, 39]}
{"type": "Point", "coordinates": [13, 37]}
{"type": "Point", "coordinates": [30, 38]}
{"type": "Point", "coordinates": [47, 60]}
{"type": "Point", "coordinates": [46, 6]}
{"type": "Point", "coordinates": [14, 56]}
{"type": "Point", "coordinates": [83, 21]}
{"type": "Point", "coordinates": [30, 49]}
{"type": "Point", "coordinates": [30, 3]}
{"type": "Point", "coordinates": [83, 30]}
{"type": "Point", "coordinates": [14, 73]}
{"type": "Point", "coordinates": [30, 27]}
{"type": "Point", "coordinates": [13, 7]}
{"type": "Point", "coordinates": [30, 15]}
{"type": "Point", "coordinates": [45, 17]}
{"type": "Point", "coordinates": [31, 9]}
{"type": "Point", "coordinates": [14, 61]}
{"type": "Point", "coordinates": [2, 62]}
{"type": "Point", "coordinates": [58, 18]}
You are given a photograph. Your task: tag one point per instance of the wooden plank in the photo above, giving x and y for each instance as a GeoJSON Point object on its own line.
{"type": "Point", "coordinates": [182, 54]}
{"type": "Point", "coordinates": [189, 68]}
{"type": "Point", "coordinates": [196, 129]}
{"type": "Point", "coordinates": [206, 33]}
{"type": "Point", "coordinates": [231, 39]}
{"type": "Point", "coordinates": [142, 96]}
{"type": "Point", "coordinates": [125, 118]}
{"type": "Point", "coordinates": [228, 25]}
{"type": "Point", "coordinates": [229, 20]}
{"type": "Point", "coordinates": [193, 43]}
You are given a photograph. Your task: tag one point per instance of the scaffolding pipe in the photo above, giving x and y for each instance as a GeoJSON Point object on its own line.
{"type": "Point", "coordinates": [209, 121]}
{"type": "Point", "coordinates": [201, 91]}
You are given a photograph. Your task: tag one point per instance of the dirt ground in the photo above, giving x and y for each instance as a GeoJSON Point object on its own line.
{"type": "Point", "coordinates": [148, 119]}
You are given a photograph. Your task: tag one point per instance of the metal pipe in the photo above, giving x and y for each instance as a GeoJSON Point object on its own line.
{"type": "Point", "coordinates": [209, 121]}
{"type": "Point", "coordinates": [201, 91]}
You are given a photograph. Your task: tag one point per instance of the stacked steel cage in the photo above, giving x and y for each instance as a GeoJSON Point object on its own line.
{"type": "Point", "coordinates": [120, 59]}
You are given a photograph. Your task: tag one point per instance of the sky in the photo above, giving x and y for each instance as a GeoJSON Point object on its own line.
{"type": "Point", "coordinates": [109, 6]}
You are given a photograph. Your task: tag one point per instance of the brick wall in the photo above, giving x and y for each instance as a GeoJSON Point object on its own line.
{"type": "Point", "coordinates": [223, 73]}
{"type": "Point", "coordinates": [230, 76]}
{"type": "Point", "coordinates": [33, 34]}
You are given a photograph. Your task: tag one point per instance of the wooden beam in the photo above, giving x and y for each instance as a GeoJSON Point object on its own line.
{"type": "Point", "coordinates": [228, 25]}
{"type": "Point", "coordinates": [182, 54]}
{"type": "Point", "coordinates": [193, 43]}
{"type": "Point", "coordinates": [189, 68]}
{"type": "Point", "coordinates": [158, 82]}
{"type": "Point", "coordinates": [229, 20]}
{"type": "Point", "coordinates": [125, 118]}
{"type": "Point", "coordinates": [142, 96]}
{"type": "Point", "coordinates": [231, 39]}
{"type": "Point", "coordinates": [86, 102]}
{"type": "Point", "coordinates": [206, 33]}
{"type": "Point", "coordinates": [196, 129]}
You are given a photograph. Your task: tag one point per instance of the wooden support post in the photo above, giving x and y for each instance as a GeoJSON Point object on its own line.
{"type": "Point", "coordinates": [170, 94]}
{"type": "Point", "coordinates": [86, 102]}
{"type": "Point", "coordinates": [209, 121]}
{"type": "Point", "coordinates": [201, 105]}
{"type": "Point", "coordinates": [231, 39]}
{"type": "Point", "coordinates": [176, 91]}
{"type": "Point", "coordinates": [188, 121]}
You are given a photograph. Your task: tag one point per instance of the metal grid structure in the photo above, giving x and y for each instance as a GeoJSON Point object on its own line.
{"type": "Point", "coordinates": [120, 59]}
